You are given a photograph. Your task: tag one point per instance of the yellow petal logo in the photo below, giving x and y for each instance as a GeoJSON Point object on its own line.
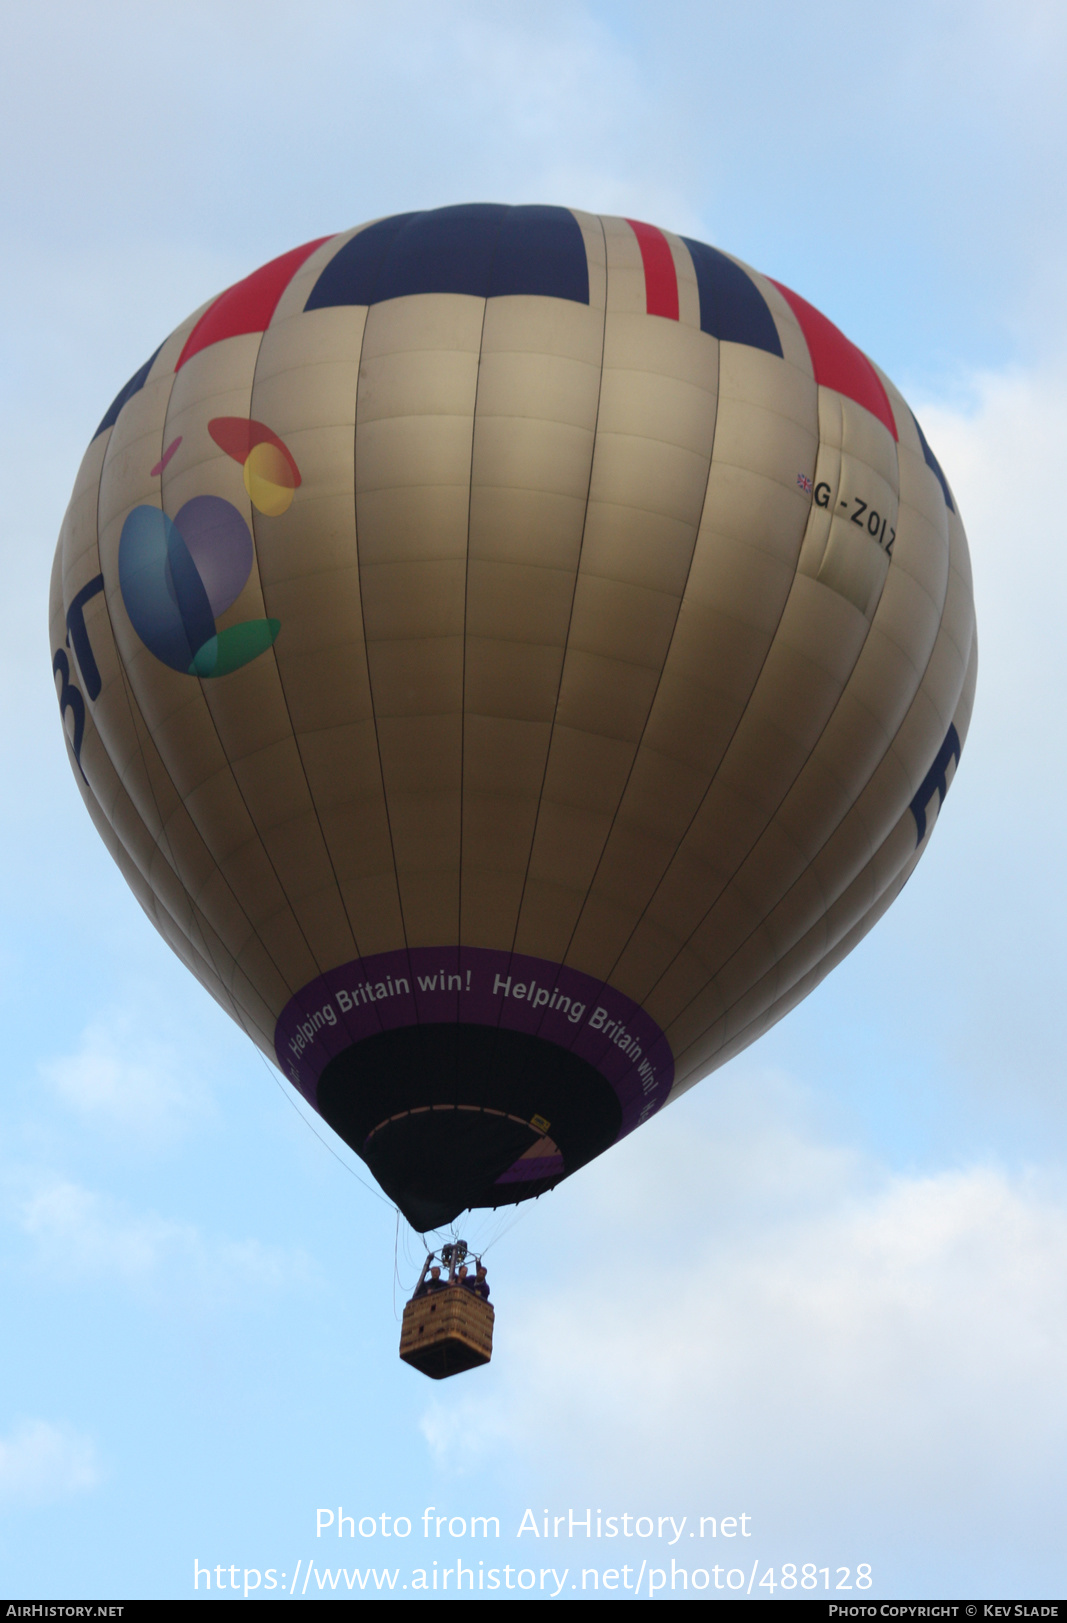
{"type": "Point", "coordinates": [271, 475]}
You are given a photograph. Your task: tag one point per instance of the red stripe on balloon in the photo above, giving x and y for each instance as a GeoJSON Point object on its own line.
{"type": "Point", "coordinates": [247, 306]}
{"type": "Point", "coordinates": [836, 361]}
{"type": "Point", "coordinates": [661, 278]}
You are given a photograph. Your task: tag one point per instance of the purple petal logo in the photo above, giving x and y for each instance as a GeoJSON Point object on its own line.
{"type": "Point", "coordinates": [179, 575]}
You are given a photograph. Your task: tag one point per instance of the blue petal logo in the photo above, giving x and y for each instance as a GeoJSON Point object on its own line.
{"type": "Point", "coordinates": [179, 575]}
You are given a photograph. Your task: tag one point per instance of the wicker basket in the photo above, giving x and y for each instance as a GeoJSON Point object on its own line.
{"type": "Point", "coordinates": [446, 1331]}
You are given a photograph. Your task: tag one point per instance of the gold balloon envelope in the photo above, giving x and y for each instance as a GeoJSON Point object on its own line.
{"type": "Point", "coordinates": [513, 655]}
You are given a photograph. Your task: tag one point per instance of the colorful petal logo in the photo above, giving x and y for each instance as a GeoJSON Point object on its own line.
{"type": "Point", "coordinates": [271, 475]}
{"type": "Point", "coordinates": [179, 575]}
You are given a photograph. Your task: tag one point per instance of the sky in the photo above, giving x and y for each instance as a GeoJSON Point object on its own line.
{"type": "Point", "coordinates": [826, 1291]}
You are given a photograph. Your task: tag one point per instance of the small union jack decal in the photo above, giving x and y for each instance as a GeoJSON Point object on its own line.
{"type": "Point", "coordinates": [804, 483]}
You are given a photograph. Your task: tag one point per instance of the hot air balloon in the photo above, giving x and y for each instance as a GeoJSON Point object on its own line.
{"type": "Point", "coordinates": [512, 654]}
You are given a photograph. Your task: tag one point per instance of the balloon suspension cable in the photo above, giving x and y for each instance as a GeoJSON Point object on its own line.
{"type": "Point", "coordinates": [522, 1210]}
{"type": "Point", "coordinates": [453, 1236]}
{"type": "Point", "coordinates": [396, 1271]}
{"type": "Point", "coordinates": [494, 1224]}
{"type": "Point", "coordinates": [287, 1095]}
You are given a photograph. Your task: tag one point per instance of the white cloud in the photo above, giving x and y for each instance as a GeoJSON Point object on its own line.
{"type": "Point", "coordinates": [996, 873]}
{"type": "Point", "coordinates": [901, 1317]}
{"type": "Point", "coordinates": [77, 1233]}
{"type": "Point", "coordinates": [1003, 457]}
{"type": "Point", "coordinates": [736, 1315]}
{"type": "Point", "coordinates": [41, 1462]}
{"type": "Point", "coordinates": [130, 1082]}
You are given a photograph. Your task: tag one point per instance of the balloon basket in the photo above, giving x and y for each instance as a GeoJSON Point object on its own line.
{"type": "Point", "coordinates": [448, 1324]}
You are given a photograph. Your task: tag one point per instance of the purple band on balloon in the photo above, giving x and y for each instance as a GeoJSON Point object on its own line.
{"type": "Point", "coordinates": [484, 987]}
{"type": "Point", "coordinates": [531, 1168]}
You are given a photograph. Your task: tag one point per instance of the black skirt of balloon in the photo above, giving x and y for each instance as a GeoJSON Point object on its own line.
{"type": "Point", "coordinates": [441, 1112]}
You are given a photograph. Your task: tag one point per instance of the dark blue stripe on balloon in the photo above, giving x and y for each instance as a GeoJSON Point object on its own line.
{"type": "Point", "coordinates": [934, 465]}
{"type": "Point", "coordinates": [351, 275]}
{"type": "Point", "coordinates": [442, 251]}
{"type": "Point", "coordinates": [541, 250]}
{"type": "Point", "coordinates": [936, 778]}
{"type": "Point", "coordinates": [732, 308]}
{"type": "Point", "coordinates": [135, 385]}
{"type": "Point", "coordinates": [484, 249]}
